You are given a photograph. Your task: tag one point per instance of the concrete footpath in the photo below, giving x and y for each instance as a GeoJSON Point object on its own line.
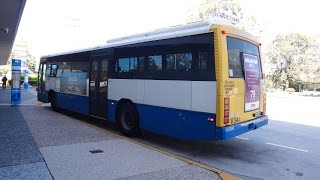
{"type": "Point", "coordinates": [37, 143]}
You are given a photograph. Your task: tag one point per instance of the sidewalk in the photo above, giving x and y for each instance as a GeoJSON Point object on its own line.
{"type": "Point", "coordinates": [37, 143]}
{"type": "Point", "coordinates": [28, 96]}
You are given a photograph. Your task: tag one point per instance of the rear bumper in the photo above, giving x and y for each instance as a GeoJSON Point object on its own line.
{"type": "Point", "coordinates": [227, 132]}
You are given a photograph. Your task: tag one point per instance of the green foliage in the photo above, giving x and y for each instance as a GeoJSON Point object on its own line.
{"type": "Point", "coordinates": [293, 59]}
{"type": "Point", "coordinates": [32, 79]}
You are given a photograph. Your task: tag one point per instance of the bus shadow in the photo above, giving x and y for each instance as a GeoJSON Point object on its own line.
{"type": "Point", "coordinates": [251, 151]}
{"type": "Point", "coordinates": [252, 147]}
{"type": "Point", "coordinates": [179, 147]}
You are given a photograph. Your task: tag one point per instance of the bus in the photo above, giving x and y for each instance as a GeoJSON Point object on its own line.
{"type": "Point", "coordinates": [199, 81]}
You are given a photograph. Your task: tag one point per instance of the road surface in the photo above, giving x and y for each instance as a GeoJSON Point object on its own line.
{"type": "Point", "coordinates": [287, 148]}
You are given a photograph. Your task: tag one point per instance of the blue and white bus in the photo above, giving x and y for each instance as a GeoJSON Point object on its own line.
{"type": "Point", "coordinates": [200, 81]}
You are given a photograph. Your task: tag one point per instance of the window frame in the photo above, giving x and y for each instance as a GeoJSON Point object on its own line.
{"type": "Point", "coordinates": [241, 63]}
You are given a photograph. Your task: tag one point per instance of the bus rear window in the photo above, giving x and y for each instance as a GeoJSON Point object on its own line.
{"type": "Point", "coordinates": [235, 48]}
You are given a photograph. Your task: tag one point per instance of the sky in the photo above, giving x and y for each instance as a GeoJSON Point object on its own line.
{"type": "Point", "coordinates": [52, 26]}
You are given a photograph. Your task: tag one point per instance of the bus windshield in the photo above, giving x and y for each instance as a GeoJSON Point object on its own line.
{"type": "Point", "coordinates": [235, 48]}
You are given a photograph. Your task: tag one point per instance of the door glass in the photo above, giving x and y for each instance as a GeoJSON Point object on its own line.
{"type": "Point", "coordinates": [43, 73]}
{"type": "Point", "coordinates": [93, 78]}
{"type": "Point", "coordinates": [104, 76]}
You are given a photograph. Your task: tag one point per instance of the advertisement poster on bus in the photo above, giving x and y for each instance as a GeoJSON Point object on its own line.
{"type": "Point", "coordinates": [252, 81]}
{"type": "Point", "coordinates": [74, 83]}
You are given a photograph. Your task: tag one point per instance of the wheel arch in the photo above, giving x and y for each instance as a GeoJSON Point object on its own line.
{"type": "Point", "coordinates": [121, 102]}
{"type": "Point", "coordinates": [118, 107]}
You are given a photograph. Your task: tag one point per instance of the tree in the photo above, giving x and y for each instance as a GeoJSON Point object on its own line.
{"type": "Point", "coordinates": [293, 59]}
{"type": "Point", "coordinates": [227, 9]}
{"type": "Point", "coordinates": [3, 70]}
{"type": "Point", "coordinates": [30, 61]}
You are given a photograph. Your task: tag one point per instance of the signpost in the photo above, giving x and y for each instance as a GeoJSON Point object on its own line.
{"type": "Point", "coordinates": [15, 82]}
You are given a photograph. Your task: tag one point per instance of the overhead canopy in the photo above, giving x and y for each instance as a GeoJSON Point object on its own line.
{"type": "Point", "coordinates": [10, 15]}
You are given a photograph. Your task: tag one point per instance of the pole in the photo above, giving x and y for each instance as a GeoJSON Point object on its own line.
{"type": "Point", "coordinates": [15, 82]}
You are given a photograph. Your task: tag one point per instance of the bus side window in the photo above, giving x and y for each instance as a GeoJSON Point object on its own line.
{"type": "Point", "coordinates": [155, 63]}
{"type": "Point", "coordinates": [179, 62]}
{"type": "Point", "coordinates": [127, 64]}
{"type": "Point", "coordinates": [203, 60]}
{"type": "Point", "coordinates": [141, 63]}
{"type": "Point", "coordinates": [47, 70]}
{"type": "Point", "coordinates": [53, 70]}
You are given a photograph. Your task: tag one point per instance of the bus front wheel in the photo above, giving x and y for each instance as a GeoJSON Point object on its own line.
{"type": "Point", "coordinates": [53, 101]}
{"type": "Point", "coordinates": [129, 119]}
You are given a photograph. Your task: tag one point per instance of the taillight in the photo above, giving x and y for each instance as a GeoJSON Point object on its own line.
{"type": "Point", "coordinates": [264, 104]}
{"type": "Point", "coordinates": [226, 110]}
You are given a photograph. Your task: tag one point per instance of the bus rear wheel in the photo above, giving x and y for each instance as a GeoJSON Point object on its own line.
{"type": "Point", "coordinates": [128, 119]}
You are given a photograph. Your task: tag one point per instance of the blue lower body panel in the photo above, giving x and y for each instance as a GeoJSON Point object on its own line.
{"type": "Point", "coordinates": [112, 107]}
{"type": "Point", "coordinates": [228, 132]}
{"type": "Point", "coordinates": [74, 103]}
{"type": "Point", "coordinates": [182, 124]}
{"type": "Point", "coordinates": [188, 125]}
{"type": "Point", "coordinates": [177, 123]}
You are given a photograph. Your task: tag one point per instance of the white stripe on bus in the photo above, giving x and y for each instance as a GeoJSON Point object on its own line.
{"type": "Point", "coordinates": [197, 96]}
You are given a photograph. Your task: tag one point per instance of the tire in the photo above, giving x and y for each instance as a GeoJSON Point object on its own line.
{"type": "Point", "coordinates": [53, 102]}
{"type": "Point", "coordinates": [128, 120]}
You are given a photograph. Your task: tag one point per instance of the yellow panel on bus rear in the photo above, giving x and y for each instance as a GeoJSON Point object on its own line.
{"type": "Point", "coordinates": [232, 88]}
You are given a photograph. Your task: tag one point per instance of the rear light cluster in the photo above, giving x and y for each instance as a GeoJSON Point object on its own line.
{"type": "Point", "coordinates": [226, 110]}
{"type": "Point", "coordinates": [264, 104]}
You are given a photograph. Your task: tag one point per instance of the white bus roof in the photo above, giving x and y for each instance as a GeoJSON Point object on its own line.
{"type": "Point", "coordinates": [189, 29]}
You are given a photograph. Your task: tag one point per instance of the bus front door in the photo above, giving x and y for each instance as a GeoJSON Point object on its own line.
{"type": "Point", "coordinates": [99, 87]}
{"type": "Point", "coordinates": [41, 83]}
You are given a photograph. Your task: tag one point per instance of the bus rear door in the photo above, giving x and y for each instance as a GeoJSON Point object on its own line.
{"type": "Point", "coordinates": [98, 86]}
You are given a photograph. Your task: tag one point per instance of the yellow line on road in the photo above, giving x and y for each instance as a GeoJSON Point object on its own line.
{"type": "Point", "coordinates": [223, 175]}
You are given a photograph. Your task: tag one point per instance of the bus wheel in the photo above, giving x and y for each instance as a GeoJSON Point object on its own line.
{"type": "Point", "coordinates": [53, 102]}
{"type": "Point", "coordinates": [129, 119]}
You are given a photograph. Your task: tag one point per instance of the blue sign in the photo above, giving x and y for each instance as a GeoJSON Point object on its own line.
{"type": "Point", "coordinates": [16, 62]}
{"type": "Point", "coordinates": [15, 96]}
{"type": "Point", "coordinates": [15, 84]}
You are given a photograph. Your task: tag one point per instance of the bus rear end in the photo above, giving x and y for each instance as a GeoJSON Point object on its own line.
{"type": "Point", "coordinates": [241, 94]}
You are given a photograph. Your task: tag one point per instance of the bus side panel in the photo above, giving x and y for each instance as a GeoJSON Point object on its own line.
{"type": "Point", "coordinates": [177, 123]}
{"type": "Point", "coordinates": [112, 107]}
{"type": "Point", "coordinates": [74, 103]}
{"type": "Point", "coordinates": [175, 108]}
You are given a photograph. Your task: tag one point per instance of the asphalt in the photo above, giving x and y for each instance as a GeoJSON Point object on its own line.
{"type": "Point", "coordinates": [37, 143]}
